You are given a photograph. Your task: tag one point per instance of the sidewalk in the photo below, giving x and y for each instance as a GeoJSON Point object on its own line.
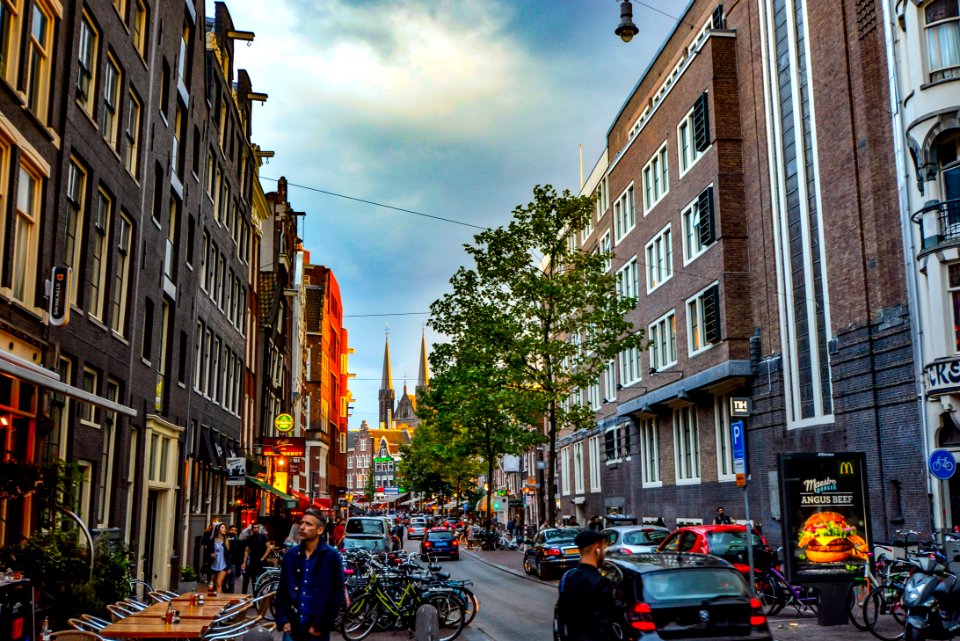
{"type": "Point", "coordinates": [785, 626]}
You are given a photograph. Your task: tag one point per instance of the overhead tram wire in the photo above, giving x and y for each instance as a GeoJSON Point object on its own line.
{"type": "Point", "coordinates": [376, 204]}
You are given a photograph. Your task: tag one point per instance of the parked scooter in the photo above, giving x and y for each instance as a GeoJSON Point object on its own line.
{"type": "Point", "coordinates": [931, 601]}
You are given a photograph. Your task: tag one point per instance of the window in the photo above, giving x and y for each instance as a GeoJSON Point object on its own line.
{"type": "Point", "coordinates": [207, 351]}
{"type": "Point", "coordinates": [954, 293]}
{"type": "Point", "coordinates": [607, 250]}
{"type": "Point", "coordinates": [98, 248]}
{"type": "Point", "coordinates": [9, 40]}
{"type": "Point", "coordinates": [578, 467]}
{"type": "Point", "coordinates": [109, 428]}
{"type": "Point", "coordinates": [132, 134]}
{"type": "Point", "coordinates": [163, 361]}
{"type": "Point", "coordinates": [121, 7]}
{"type": "Point", "coordinates": [38, 60]}
{"type": "Point", "coordinates": [214, 391]}
{"type": "Point", "coordinates": [109, 119]}
{"type": "Point", "coordinates": [146, 349]}
{"type": "Point", "coordinates": [25, 233]}
{"type": "Point", "coordinates": [628, 285]}
{"type": "Point", "coordinates": [725, 470]}
{"type": "Point", "coordinates": [73, 241]}
{"type": "Point", "coordinates": [656, 179]}
{"type": "Point", "coordinates": [610, 382]}
{"type": "Point", "coordinates": [663, 342]}
{"type": "Point", "coordinates": [693, 134]}
{"type": "Point", "coordinates": [177, 149]}
{"type": "Point", "coordinates": [593, 395]}
{"type": "Point", "coordinates": [625, 213]}
{"type": "Point", "coordinates": [90, 384]}
{"type": "Point", "coordinates": [140, 27]}
{"type": "Point", "coordinates": [603, 197]}
{"type": "Point", "coordinates": [650, 446]}
{"type": "Point", "coordinates": [659, 259]}
{"type": "Point", "coordinates": [86, 76]}
{"type": "Point", "coordinates": [686, 445]}
{"type": "Point", "coordinates": [593, 450]}
{"type": "Point", "coordinates": [703, 320]}
{"type": "Point", "coordinates": [183, 60]}
{"type": "Point", "coordinates": [587, 230]}
{"type": "Point", "coordinates": [942, 18]}
{"type": "Point", "coordinates": [198, 358]}
{"type": "Point", "coordinates": [564, 475]}
{"type": "Point", "coordinates": [616, 442]}
{"type": "Point", "coordinates": [630, 367]}
{"type": "Point", "coordinates": [121, 282]}
{"type": "Point", "coordinates": [699, 230]}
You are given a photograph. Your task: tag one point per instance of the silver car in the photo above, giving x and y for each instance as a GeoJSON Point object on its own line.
{"type": "Point", "coordinates": [634, 539]}
{"type": "Point", "coordinates": [417, 528]}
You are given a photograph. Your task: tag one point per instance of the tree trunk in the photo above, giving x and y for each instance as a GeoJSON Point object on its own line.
{"type": "Point", "coordinates": [551, 466]}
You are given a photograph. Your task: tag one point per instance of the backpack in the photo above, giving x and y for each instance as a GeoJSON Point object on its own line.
{"type": "Point", "coordinates": [560, 630]}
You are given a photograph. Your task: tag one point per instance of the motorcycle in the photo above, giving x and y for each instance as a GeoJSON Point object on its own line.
{"type": "Point", "coordinates": [931, 601]}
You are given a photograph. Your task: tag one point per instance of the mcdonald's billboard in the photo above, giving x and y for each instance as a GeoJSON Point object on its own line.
{"type": "Point", "coordinates": [826, 517]}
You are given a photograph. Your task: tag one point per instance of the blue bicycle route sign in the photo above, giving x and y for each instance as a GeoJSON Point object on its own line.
{"type": "Point", "coordinates": [942, 464]}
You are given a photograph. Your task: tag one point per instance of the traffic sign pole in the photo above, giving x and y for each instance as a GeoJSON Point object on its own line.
{"type": "Point", "coordinates": [738, 440]}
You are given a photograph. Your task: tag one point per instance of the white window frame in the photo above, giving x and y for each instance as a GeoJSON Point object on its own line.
{"type": "Point", "coordinates": [606, 246]}
{"type": "Point", "coordinates": [625, 213]}
{"type": "Point", "coordinates": [656, 178]}
{"type": "Point", "coordinates": [603, 197]}
{"type": "Point", "coordinates": [631, 366]}
{"type": "Point", "coordinates": [593, 448]}
{"type": "Point", "coordinates": [578, 487]}
{"type": "Point", "coordinates": [651, 468]}
{"type": "Point", "coordinates": [628, 280]}
{"type": "Point", "coordinates": [88, 411]}
{"type": "Point", "coordinates": [618, 453]}
{"type": "Point", "coordinates": [686, 441]}
{"type": "Point", "coordinates": [721, 408]}
{"type": "Point", "coordinates": [689, 223]}
{"type": "Point", "coordinates": [655, 275]}
{"type": "Point", "coordinates": [695, 312]}
{"type": "Point", "coordinates": [593, 396]}
{"type": "Point", "coordinates": [667, 322]}
{"type": "Point", "coordinates": [686, 161]}
{"type": "Point", "coordinates": [565, 470]}
{"type": "Point", "coordinates": [610, 381]}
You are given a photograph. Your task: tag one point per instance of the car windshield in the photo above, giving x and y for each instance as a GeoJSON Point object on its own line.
{"type": "Point", "coordinates": [367, 544]}
{"type": "Point", "coordinates": [417, 521]}
{"type": "Point", "coordinates": [565, 534]}
{"type": "Point", "coordinates": [692, 583]}
{"type": "Point", "coordinates": [641, 537]}
{"type": "Point", "coordinates": [721, 543]}
{"type": "Point", "coordinates": [364, 526]}
{"type": "Point", "coordinates": [440, 536]}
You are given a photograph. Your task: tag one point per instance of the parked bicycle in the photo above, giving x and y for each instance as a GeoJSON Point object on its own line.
{"type": "Point", "coordinates": [776, 592]}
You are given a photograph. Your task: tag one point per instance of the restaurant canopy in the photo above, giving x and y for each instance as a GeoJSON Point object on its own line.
{"type": "Point", "coordinates": [289, 501]}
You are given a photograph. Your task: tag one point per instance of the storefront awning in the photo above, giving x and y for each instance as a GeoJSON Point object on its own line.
{"type": "Point", "coordinates": [42, 377]}
{"type": "Point", "coordinates": [291, 502]}
{"type": "Point", "coordinates": [318, 503]}
{"type": "Point", "coordinates": [208, 449]}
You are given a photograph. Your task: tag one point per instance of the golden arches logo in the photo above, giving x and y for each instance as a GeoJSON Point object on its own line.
{"type": "Point", "coordinates": [846, 468]}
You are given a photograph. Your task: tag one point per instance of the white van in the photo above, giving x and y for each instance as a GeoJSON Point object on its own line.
{"type": "Point", "coordinates": [367, 528]}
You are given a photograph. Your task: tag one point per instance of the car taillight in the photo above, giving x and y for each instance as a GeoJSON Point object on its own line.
{"type": "Point", "coordinates": [640, 618]}
{"type": "Point", "coordinates": [456, 543]}
{"type": "Point", "coordinates": [625, 551]}
{"type": "Point", "coordinates": [427, 544]}
{"type": "Point", "coordinates": [552, 552]}
{"type": "Point", "coordinates": [757, 617]}
{"type": "Point", "coordinates": [410, 530]}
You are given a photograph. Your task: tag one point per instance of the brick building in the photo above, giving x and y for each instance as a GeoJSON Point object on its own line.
{"type": "Point", "coordinates": [712, 195]}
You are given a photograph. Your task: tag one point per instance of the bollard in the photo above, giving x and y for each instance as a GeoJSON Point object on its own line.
{"type": "Point", "coordinates": [427, 626]}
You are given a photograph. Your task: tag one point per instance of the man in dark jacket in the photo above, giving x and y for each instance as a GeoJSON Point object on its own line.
{"type": "Point", "coordinates": [584, 610]}
{"type": "Point", "coordinates": [312, 586]}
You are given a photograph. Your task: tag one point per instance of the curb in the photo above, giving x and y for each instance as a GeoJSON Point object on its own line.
{"type": "Point", "coordinates": [503, 568]}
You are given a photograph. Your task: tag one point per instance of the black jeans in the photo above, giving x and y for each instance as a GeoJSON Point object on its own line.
{"type": "Point", "coordinates": [252, 573]}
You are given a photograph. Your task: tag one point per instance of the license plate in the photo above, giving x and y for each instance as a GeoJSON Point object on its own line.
{"type": "Point", "coordinates": [571, 552]}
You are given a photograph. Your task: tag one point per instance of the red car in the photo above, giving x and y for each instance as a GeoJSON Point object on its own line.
{"type": "Point", "coordinates": [725, 541]}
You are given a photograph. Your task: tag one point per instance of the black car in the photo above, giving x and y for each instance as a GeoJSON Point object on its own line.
{"type": "Point", "coordinates": [551, 552]}
{"type": "Point", "coordinates": [441, 543]}
{"type": "Point", "coordinates": [682, 596]}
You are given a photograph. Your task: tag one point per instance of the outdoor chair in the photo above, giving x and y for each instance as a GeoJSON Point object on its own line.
{"type": "Point", "coordinates": [96, 622]}
{"type": "Point", "coordinates": [168, 593]}
{"type": "Point", "coordinates": [159, 597]}
{"type": "Point", "coordinates": [75, 635]}
{"type": "Point", "coordinates": [231, 632]}
{"type": "Point", "coordinates": [133, 604]}
{"type": "Point", "coordinates": [82, 626]}
{"type": "Point", "coordinates": [262, 603]}
{"type": "Point", "coordinates": [119, 611]}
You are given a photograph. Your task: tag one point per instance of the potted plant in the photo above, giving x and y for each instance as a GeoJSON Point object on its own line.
{"type": "Point", "coordinates": [188, 579]}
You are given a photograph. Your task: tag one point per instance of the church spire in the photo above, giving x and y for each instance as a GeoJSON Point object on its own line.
{"type": "Point", "coordinates": [387, 396]}
{"type": "Point", "coordinates": [423, 380]}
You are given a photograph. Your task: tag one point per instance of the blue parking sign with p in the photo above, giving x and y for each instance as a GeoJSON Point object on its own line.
{"type": "Point", "coordinates": [738, 438]}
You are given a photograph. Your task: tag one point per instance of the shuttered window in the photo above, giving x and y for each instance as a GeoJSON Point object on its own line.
{"type": "Point", "coordinates": [701, 123]}
{"type": "Point", "coordinates": [699, 228]}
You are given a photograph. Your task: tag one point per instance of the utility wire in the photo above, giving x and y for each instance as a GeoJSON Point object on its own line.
{"type": "Point", "coordinates": [387, 314]}
{"type": "Point", "coordinates": [376, 204]}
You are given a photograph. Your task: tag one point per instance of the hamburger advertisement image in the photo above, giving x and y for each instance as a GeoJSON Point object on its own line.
{"type": "Point", "coordinates": [825, 515]}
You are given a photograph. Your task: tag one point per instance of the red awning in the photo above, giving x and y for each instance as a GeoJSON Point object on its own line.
{"type": "Point", "coordinates": [319, 503]}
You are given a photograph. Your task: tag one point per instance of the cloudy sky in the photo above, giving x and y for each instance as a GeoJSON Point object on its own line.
{"type": "Point", "coordinates": [454, 108]}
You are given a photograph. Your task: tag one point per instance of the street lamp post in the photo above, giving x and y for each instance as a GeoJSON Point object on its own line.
{"type": "Point", "coordinates": [626, 29]}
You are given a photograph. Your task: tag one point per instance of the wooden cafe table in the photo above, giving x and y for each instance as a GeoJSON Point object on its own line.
{"type": "Point", "coordinates": [154, 627]}
{"type": "Point", "coordinates": [208, 611]}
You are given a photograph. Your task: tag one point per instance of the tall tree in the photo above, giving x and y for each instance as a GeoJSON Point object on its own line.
{"type": "Point", "coordinates": [536, 319]}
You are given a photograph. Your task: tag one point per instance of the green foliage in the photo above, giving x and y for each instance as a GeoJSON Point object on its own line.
{"type": "Point", "coordinates": [188, 573]}
{"type": "Point", "coordinates": [370, 487]}
{"type": "Point", "coordinates": [433, 465]}
{"type": "Point", "coordinates": [534, 321]}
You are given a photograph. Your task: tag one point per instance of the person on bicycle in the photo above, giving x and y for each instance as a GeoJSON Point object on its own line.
{"type": "Point", "coordinates": [312, 585]}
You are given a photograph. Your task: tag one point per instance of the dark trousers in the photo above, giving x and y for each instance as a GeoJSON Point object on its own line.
{"type": "Point", "coordinates": [253, 572]}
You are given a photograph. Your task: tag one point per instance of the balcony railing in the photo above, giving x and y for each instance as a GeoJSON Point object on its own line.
{"type": "Point", "coordinates": [939, 225]}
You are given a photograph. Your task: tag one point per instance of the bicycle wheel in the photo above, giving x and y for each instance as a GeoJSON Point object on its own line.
{"type": "Point", "coordinates": [771, 594]}
{"type": "Point", "coordinates": [265, 588]}
{"type": "Point", "coordinates": [450, 614]}
{"type": "Point", "coordinates": [880, 613]}
{"type": "Point", "coordinates": [471, 604]}
{"type": "Point", "coordinates": [358, 620]}
{"type": "Point", "coordinates": [856, 598]}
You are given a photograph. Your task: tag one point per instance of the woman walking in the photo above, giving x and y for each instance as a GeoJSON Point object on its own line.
{"type": "Point", "coordinates": [217, 551]}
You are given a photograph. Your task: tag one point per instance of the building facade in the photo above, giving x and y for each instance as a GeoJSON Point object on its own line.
{"type": "Point", "coordinates": [924, 61]}
{"type": "Point", "coordinates": [712, 195]}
